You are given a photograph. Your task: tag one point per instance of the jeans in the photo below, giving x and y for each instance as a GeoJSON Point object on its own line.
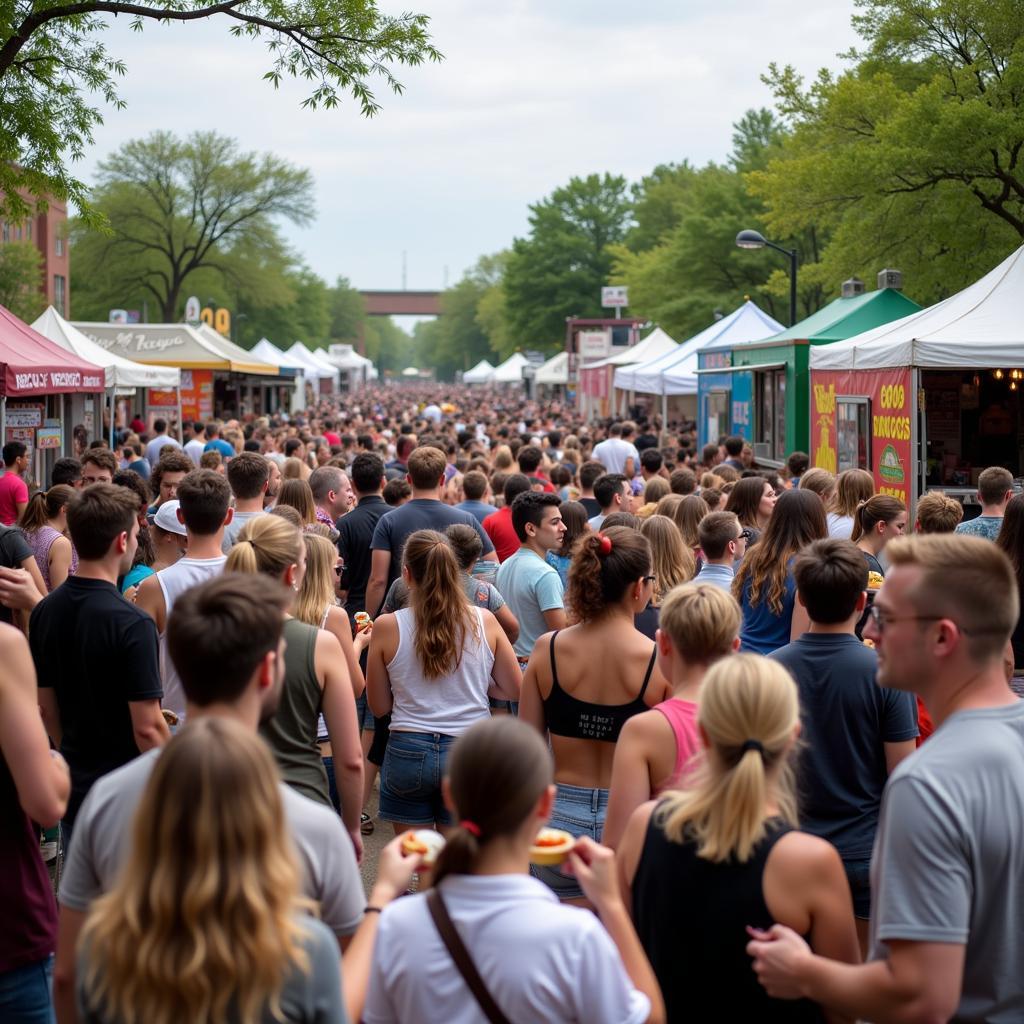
{"type": "Point", "coordinates": [410, 778]}
{"type": "Point", "coordinates": [364, 716]}
{"type": "Point", "coordinates": [332, 784]}
{"type": "Point", "coordinates": [25, 994]}
{"type": "Point", "coordinates": [858, 875]}
{"type": "Point", "coordinates": [581, 812]}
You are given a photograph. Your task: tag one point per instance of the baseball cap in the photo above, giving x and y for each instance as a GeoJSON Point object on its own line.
{"type": "Point", "coordinates": [167, 518]}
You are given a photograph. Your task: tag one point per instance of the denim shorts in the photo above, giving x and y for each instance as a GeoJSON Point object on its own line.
{"type": "Point", "coordinates": [858, 875]}
{"type": "Point", "coordinates": [581, 812]}
{"type": "Point", "coordinates": [364, 716]}
{"type": "Point", "coordinates": [410, 778]}
{"type": "Point", "coordinates": [26, 994]}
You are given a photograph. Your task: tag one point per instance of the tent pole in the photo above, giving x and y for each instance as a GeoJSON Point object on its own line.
{"type": "Point", "coordinates": [181, 428]}
{"type": "Point", "coordinates": [113, 410]}
{"type": "Point", "coordinates": [664, 412]}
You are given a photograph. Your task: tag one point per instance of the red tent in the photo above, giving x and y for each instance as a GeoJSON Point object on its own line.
{"type": "Point", "coordinates": [34, 365]}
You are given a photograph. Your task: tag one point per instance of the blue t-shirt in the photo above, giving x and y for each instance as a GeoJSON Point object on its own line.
{"type": "Point", "coordinates": [218, 444]}
{"type": "Point", "coordinates": [983, 526]}
{"type": "Point", "coordinates": [847, 718]}
{"type": "Point", "coordinates": [480, 509]}
{"type": "Point", "coordinates": [719, 575]}
{"type": "Point", "coordinates": [560, 563]}
{"type": "Point", "coordinates": [136, 576]}
{"type": "Point", "coordinates": [530, 587]}
{"type": "Point", "coordinates": [394, 528]}
{"type": "Point", "coordinates": [762, 631]}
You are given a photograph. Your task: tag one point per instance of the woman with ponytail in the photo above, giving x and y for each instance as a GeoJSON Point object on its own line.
{"type": "Point", "coordinates": [584, 682]}
{"type": "Point", "coordinates": [431, 667]}
{"type": "Point", "coordinates": [875, 523]}
{"type": "Point", "coordinates": [724, 857]}
{"type": "Point", "coordinates": [538, 961]}
{"type": "Point", "coordinates": [316, 680]}
{"type": "Point", "coordinates": [45, 521]}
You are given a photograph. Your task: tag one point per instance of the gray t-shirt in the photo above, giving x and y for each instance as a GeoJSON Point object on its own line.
{"type": "Point", "coordinates": [306, 998]}
{"type": "Point", "coordinates": [103, 837]}
{"type": "Point", "coordinates": [479, 592]}
{"type": "Point", "coordinates": [234, 528]}
{"type": "Point", "coordinates": [948, 864]}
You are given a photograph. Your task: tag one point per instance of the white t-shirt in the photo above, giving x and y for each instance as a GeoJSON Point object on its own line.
{"type": "Point", "coordinates": [194, 450]}
{"type": "Point", "coordinates": [839, 526]}
{"type": "Point", "coordinates": [541, 961]}
{"type": "Point", "coordinates": [612, 454]}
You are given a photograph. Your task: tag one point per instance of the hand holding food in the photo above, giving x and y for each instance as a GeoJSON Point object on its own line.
{"type": "Point", "coordinates": [551, 847]}
{"type": "Point", "coordinates": [423, 842]}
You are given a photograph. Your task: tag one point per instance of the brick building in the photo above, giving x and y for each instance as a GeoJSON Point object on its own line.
{"type": "Point", "coordinates": [48, 231]}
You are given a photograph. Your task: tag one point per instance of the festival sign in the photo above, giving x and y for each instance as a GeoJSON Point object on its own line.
{"type": "Point", "coordinates": [884, 398]}
{"type": "Point", "coordinates": [197, 395]}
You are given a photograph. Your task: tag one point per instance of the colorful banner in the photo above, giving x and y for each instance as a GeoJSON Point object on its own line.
{"type": "Point", "coordinates": [197, 394]}
{"type": "Point", "coordinates": [889, 412]}
{"type": "Point", "coordinates": [161, 399]}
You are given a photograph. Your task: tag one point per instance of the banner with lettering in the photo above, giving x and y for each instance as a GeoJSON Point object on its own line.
{"type": "Point", "coordinates": [888, 398]}
{"type": "Point", "coordinates": [197, 395]}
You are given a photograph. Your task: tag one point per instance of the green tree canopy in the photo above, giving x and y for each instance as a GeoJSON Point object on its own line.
{"type": "Point", "coordinates": [21, 279]}
{"type": "Point", "coordinates": [912, 157]}
{"type": "Point", "coordinates": [559, 269]}
{"type": "Point", "coordinates": [178, 208]}
{"type": "Point", "coordinates": [54, 61]}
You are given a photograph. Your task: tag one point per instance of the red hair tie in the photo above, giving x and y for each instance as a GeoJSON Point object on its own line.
{"type": "Point", "coordinates": [471, 827]}
{"type": "Point", "coordinates": [604, 543]}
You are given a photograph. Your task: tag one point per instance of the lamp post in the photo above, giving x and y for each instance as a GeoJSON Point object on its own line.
{"type": "Point", "coordinates": [755, 240]}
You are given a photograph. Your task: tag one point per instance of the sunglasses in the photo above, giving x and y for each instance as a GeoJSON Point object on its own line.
{"type": "Point", "coordinates": [745, 534]}
{"type": "Point", "coordinates": [648, 579]}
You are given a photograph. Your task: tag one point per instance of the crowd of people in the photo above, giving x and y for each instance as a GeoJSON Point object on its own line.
{"type": "Point", "coordinates": [776, 712]}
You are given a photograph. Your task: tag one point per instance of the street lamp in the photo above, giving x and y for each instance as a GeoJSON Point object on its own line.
{"type": "Point", "coordinates": [755, 240]}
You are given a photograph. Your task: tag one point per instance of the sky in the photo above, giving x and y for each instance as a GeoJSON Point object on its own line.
{"type": "Point", "coordinates": [531, 93]}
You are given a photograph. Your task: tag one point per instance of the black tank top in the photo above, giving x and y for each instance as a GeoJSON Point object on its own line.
{"type": "Point", "coordinates": [691, 916]}
{"type": "Point", "coordinates": [582, 720]}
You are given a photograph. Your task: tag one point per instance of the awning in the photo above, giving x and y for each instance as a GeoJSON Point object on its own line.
{"type": "Point", "coordinates": [33, 365]}
{"type": "Point", "coordinates": [554, 371]}
{"type": "Point", "coordinates": [119, 372]}
{"type": "Point", "coordinates": [510, 371]}
{"type": "Point", "coordinates": [655, 344]}
{"type": "Point", "coordinates": [268, 352]}
{"type": "Point", "coordinates": [479, 374]}
{"type": "Point", "coordinates": [314, 368]}
{"type": "Point", "coordinates": [180, 345]}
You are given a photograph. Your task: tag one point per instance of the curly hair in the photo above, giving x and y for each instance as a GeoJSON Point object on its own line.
{"type": "Point", "coordinates": [598, 578]}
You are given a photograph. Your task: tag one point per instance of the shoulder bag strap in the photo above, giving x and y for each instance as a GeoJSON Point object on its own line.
{"type": "Point", "coordinates": [463, 961]}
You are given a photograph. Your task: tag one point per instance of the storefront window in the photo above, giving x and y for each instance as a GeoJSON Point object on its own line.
{"type": "Point", "coordinates": [853, 430]}
{"type": "Point", "coordinates": [717, 412]}
{"type": "Point", "coordinates": [770, 427]}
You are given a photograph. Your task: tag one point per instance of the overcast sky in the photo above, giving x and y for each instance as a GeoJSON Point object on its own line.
{"type": "Point", "coordinates": [531, 92]}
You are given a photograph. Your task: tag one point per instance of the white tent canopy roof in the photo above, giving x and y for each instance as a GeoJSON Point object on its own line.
{"type": "Point", "coordinates": [554, 371]}
{"type": "Point", "coordinates": [982, 326]}
{"type": "Point", "coordinates": [269, 352]}
{"type": "Point", "coordinates": [120, 372]}
{"type": "Point", "coordinates": [313, 368]}
{"type": "Point", "coordinates": [479, 374]}
{"type": "Point", "coordinates": [656, 343]}
{"type": "Point", "coordinates": [674, 373]}
{"type": "Point", "coordinates": [510, 371]}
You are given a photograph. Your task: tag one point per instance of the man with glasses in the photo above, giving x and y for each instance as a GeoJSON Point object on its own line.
{"type": "Point", "coordinates": [723, 542]}
{"type": "Point", "coordinates": [947, 934]}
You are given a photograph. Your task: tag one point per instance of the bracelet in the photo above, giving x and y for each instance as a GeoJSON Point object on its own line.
{"type": "Point", "coordinates": [373, 910]}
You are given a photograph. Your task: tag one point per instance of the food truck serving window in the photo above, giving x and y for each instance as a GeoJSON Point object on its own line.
{"type": "Point", "coordinates": [770, 399]}
{"type": "Point", "coordinates": [853, 430]}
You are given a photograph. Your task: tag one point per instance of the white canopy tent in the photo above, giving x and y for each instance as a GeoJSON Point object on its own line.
{"type": "Point", "coordinates": [267, 350]}
{"type": "Point", "coordinates": [479, 374]}
{"type": "Point", "coordinates": [345, 358]}
{"type": "Point", "coordinates": [314, 371]}
{"type": "Point", "coordinates": [555, 371]}
{"type": "Point", "coordinates": [510, 371]}
{"type": "Point", "coordinates": [657, 343]}
{"type": "Point", "coordinates": [981, 326]}
{"type": "Point", "coordinates": [122, 376]}
{"type": "Point", "coordinates": [675, 373]}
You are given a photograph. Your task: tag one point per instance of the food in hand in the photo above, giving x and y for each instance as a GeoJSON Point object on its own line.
{"type": "Point", "coordinates": [875, 580]}
{"type": "Point", "coordinates": [425, 842]}
{"type": "Point", "coordinates": [551, 847]}
{"type": "Point", "coordinates": [362, 621]}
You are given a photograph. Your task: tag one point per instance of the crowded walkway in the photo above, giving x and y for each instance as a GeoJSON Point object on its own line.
{"type": "Point", "coordinates": [439, 703]}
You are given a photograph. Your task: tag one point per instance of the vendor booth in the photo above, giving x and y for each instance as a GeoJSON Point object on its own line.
{"type": "Point", "coordinates": [479, 374]}
{"type": "Point", "coordinates": [596, 395]}
{"type": "Point", "coordinates": [553, 376]}
{"type": "Point", "coordinates": [218, 376]}
{"type": "Point", "coordinates": [47, 395]}
{"type": "Point", "coordinates": [929, 400]}
{"type": "Point", "coordinates": [673, 375]}
{"type": "Point", "coordinates": [770, 377]}
{"type": "Point", "coordinates": [124, 378]}
{"type": "Point", "coordinates": [510, 371]}
{"type": "Point", "coordinates": [325, 378]}
{"type": "Point", "coordinates": [294, 396]}
{"type": "Point", "coordinates": [355, 369]}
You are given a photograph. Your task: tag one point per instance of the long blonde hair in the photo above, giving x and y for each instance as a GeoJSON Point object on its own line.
{"type": "Point", "coordinates": [202, 919]}
{"type": "Point", "coordinates": [316, 594]}
{"type": "Point", "coordinates": [266, 544]}
{"type": "Point", "coordinates": [672, 562]}
{"type": "Point", "coordinates": [744, 700]}
{"type": "Point", "coordinates": [443, 617]}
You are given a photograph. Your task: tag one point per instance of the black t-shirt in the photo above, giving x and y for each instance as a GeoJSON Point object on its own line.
{"type": "Point", "coordinates": [592, 506]}
{"type": "Point", "coordinates": [645, 441]}
{"type": "Point", "coordinates": [847, 719]}
{"type": "Point", "coordinates": [355, 531]}
{"type": "Point", "coordinates": [14, 550]}
{"type": "Point", "coordinates": [97, 652]}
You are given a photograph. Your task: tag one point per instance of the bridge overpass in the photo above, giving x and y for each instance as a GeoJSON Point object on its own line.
{"type": "Point", "coordinates": [402, 303]}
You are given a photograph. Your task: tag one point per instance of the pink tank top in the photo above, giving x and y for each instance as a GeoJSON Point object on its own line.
{"type": "Point", "coordinates": [682, 717]}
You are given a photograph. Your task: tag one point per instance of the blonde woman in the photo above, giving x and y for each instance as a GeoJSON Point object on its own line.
{"type": "Point", "coordinates": [654, 490]}
{"type": "Point", "coordinates": [853, 486]}
{"type": "Point", "coordinates": [432, 667]}
{"type": "Point", "coordinates": [298, 495]}
{"type": "Point", "coordinates": [316, 680]}
{"type": "Point", "coordinates": [821, 482]}
{"type": "Point", "coordinates": [687, 516]}
{"type": "Point", "coordinates": [672, 563]}
{"type": "Point", "coordinates": [725, 856]}
{"type": "Point", "coordinates": [206, 922]}
{"type": "Point", "coordinates": [295, 469]}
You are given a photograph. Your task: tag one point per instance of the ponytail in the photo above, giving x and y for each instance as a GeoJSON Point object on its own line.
{"type": "Point", "coordinates": [497, 771]}
{"type": "Point", "coordinates": [266, 544]}
{"type": "Point", "coordinates": [879, 509]}
{"type": "Point", "coordinates": [440, 608]}
{"type": "Point", "coordinates": [749, 711]}
{"type": "Point", "coordinates": [604, 565]}
{"type": "Point", "coordinates": [45, 505]}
